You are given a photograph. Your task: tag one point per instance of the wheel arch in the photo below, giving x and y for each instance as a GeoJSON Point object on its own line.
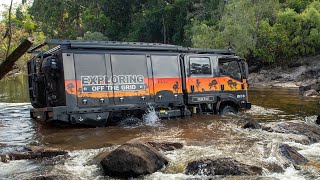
{"type": "Point", "coordinates": [227, 101]}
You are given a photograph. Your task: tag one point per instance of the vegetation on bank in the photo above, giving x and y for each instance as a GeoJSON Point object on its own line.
{"type": "Point", "coordinates": [263, 31]}
{"type": "Point", "coordinates": [22, 26]}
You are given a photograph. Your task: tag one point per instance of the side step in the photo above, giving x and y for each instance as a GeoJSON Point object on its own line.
{"type": "Point", "coordinates": [173, 113]}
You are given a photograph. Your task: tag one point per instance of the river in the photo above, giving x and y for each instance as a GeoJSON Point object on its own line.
{"type": "Point", "coordinates": [203, 136]}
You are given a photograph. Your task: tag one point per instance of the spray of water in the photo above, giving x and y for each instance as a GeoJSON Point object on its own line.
{"type": "Point", "coordinates": [150, 117]}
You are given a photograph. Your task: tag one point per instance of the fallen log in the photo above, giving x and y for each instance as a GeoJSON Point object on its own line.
{"type": "Point", "coordinates": [8, 63]}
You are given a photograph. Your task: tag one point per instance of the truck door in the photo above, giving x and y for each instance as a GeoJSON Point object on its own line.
{"type": "Point", "coordinates": [130, 79]}
{"type": "Point", "coordinates": [201, 82]}
{"type": "Point", "coordinates": [91, 84]}
{"type": "Point", "coordinates": [231, 76]}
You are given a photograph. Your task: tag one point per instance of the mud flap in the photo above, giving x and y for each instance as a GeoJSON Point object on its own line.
{"type": "Point", "coordinates": [218, 106]}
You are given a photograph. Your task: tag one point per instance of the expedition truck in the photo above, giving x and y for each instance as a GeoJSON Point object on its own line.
{"type": "Point", "coordinates": [94, 82]}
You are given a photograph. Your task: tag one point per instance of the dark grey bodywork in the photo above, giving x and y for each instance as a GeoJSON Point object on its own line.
{"type": "Point", "coordinates": [113, 70]}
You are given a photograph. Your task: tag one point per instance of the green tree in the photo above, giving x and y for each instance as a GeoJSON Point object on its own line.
{"type": "Point", "coordinates": [160, 21]}
{"type": "Point", "coordinates": [266, 31]}
{"type": "Point", "coordinates": [293, 33]}
{"type": "Point", "coordinates": [22, 27]}
{"type": "Point", "coordinates": [274, 43]}
{"type": "Point", "coordinates": [238, 27]}
{"type": "Point", "coordinates": [297, 5]}
{"type": "Point", "coordinates": [58, 18]}
{"type": "Point", "coordinates": [98, 36]}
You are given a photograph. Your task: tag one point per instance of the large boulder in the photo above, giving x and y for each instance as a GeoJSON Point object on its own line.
{"type": "Point", "coordinates": [274, 167]}
{"type": "Point", "coordinates": [316, 86]}
{"type": "Point", "coordinates": [255, 79]}
{"type": "Point", "coordinates": [222, 166]}
{"type": "Point", "coordinates": [292, 155]}
{"type": "Point", "coordinates": [260, 78]}
{"type": "Point", "coordinates": [310, 93]}
{"type": "Point", "coordinates": [312, 89]}
{"type": "Point", "coordinates": [252, 124]}
{"type": "Point", "coordinates": [133, 159]}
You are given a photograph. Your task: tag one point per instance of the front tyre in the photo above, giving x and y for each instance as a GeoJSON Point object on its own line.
{"type": "Point", "coordinates": [228, 110]}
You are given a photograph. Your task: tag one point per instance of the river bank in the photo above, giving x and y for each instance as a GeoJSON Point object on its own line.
{"type": "Point", "coordinates": [302, 72]}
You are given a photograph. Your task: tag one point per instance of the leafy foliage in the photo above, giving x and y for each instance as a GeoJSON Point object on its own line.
{"type": "Point", "coordinates": [263, 31]}
{"type": "Point", "coordinates": [93, 36]}
{"type": "Point", "coordinates": [23, 26]}
{"type": "Point", "coordinates": [293, 34]}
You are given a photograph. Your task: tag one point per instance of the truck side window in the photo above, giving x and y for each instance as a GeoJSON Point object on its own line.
{"type": "Point", "coordinates": [200, 66]}
{"type": "Point", "coordinates": [165, 66]}
{"type": "Point", "coordinates": [230, 68]}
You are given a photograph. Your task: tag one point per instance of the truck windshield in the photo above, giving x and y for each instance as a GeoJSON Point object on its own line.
{"type": "Point", "coordinates": [230, 67]}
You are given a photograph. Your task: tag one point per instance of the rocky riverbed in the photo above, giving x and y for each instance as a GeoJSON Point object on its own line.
{"type": "Point", "coordinates": [277, 150]}
{"type": "Point", "coordinates": [304, 73]}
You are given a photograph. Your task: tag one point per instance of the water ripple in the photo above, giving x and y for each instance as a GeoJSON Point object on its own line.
{"type": "Point", "coordinates": [16, 127]}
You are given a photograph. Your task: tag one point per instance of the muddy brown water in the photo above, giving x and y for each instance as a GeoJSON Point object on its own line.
{"type": "Point", "coordinates": [204, 136]}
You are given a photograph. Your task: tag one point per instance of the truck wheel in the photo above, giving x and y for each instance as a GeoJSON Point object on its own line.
{"type": "Point", "coordinates": [228, 110]}
{"type": "Point", "coordinates": [130, 121]}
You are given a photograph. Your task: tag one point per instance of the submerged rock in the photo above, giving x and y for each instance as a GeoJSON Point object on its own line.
{"type": "Point", "coordinates": [38, 154]}
{"type": "Point", "coordinates": [300, 128]}
{"type": "Point", "coordinates": [13, 149]}
{"type": "Point", "coordinates": [50, 177]}
{"type": "Point", "coordinates": [292, 155]}
{"type": "Point", "coordinates": [266, 128]}
{"type": "Point", "coordinates": [166, 146]}
{"type": "Point", "coordinates": [252, 124]}
{"type": "Point", "coordinates": [316, 86]}
{"type": "Point", "coordinates": [303, 89]}
{"type": "Point", "coordinates": [273, 167]}
{"type": "Point", "coordinates": [312, 89]}
{"type": "Point", "coordinates": [222, 166]}
{"type": "Point", "coordinates": [311, 92]}
{"type": "Point", "coordinates": [133, 159]}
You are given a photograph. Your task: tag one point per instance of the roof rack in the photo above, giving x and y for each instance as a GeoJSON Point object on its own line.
{"type": "Point", "coordinates": [138, 46]}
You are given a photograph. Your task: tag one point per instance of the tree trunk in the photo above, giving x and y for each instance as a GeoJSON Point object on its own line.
{"type": "Point", "coordinates": [8, 63]}
{"type": "Point", "coordinates": [9, 30]}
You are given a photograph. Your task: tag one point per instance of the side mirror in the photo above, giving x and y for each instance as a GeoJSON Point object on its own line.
{"type": "Point", "coordinates": [245, 70]}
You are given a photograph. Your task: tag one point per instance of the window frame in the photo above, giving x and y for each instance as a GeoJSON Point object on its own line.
{"type": "Point", "coordinates": [154, 65]}
{"type": "Point", "coordinates": [200, 75]}
{"type": "Point", "coordinates": [226, 59]}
